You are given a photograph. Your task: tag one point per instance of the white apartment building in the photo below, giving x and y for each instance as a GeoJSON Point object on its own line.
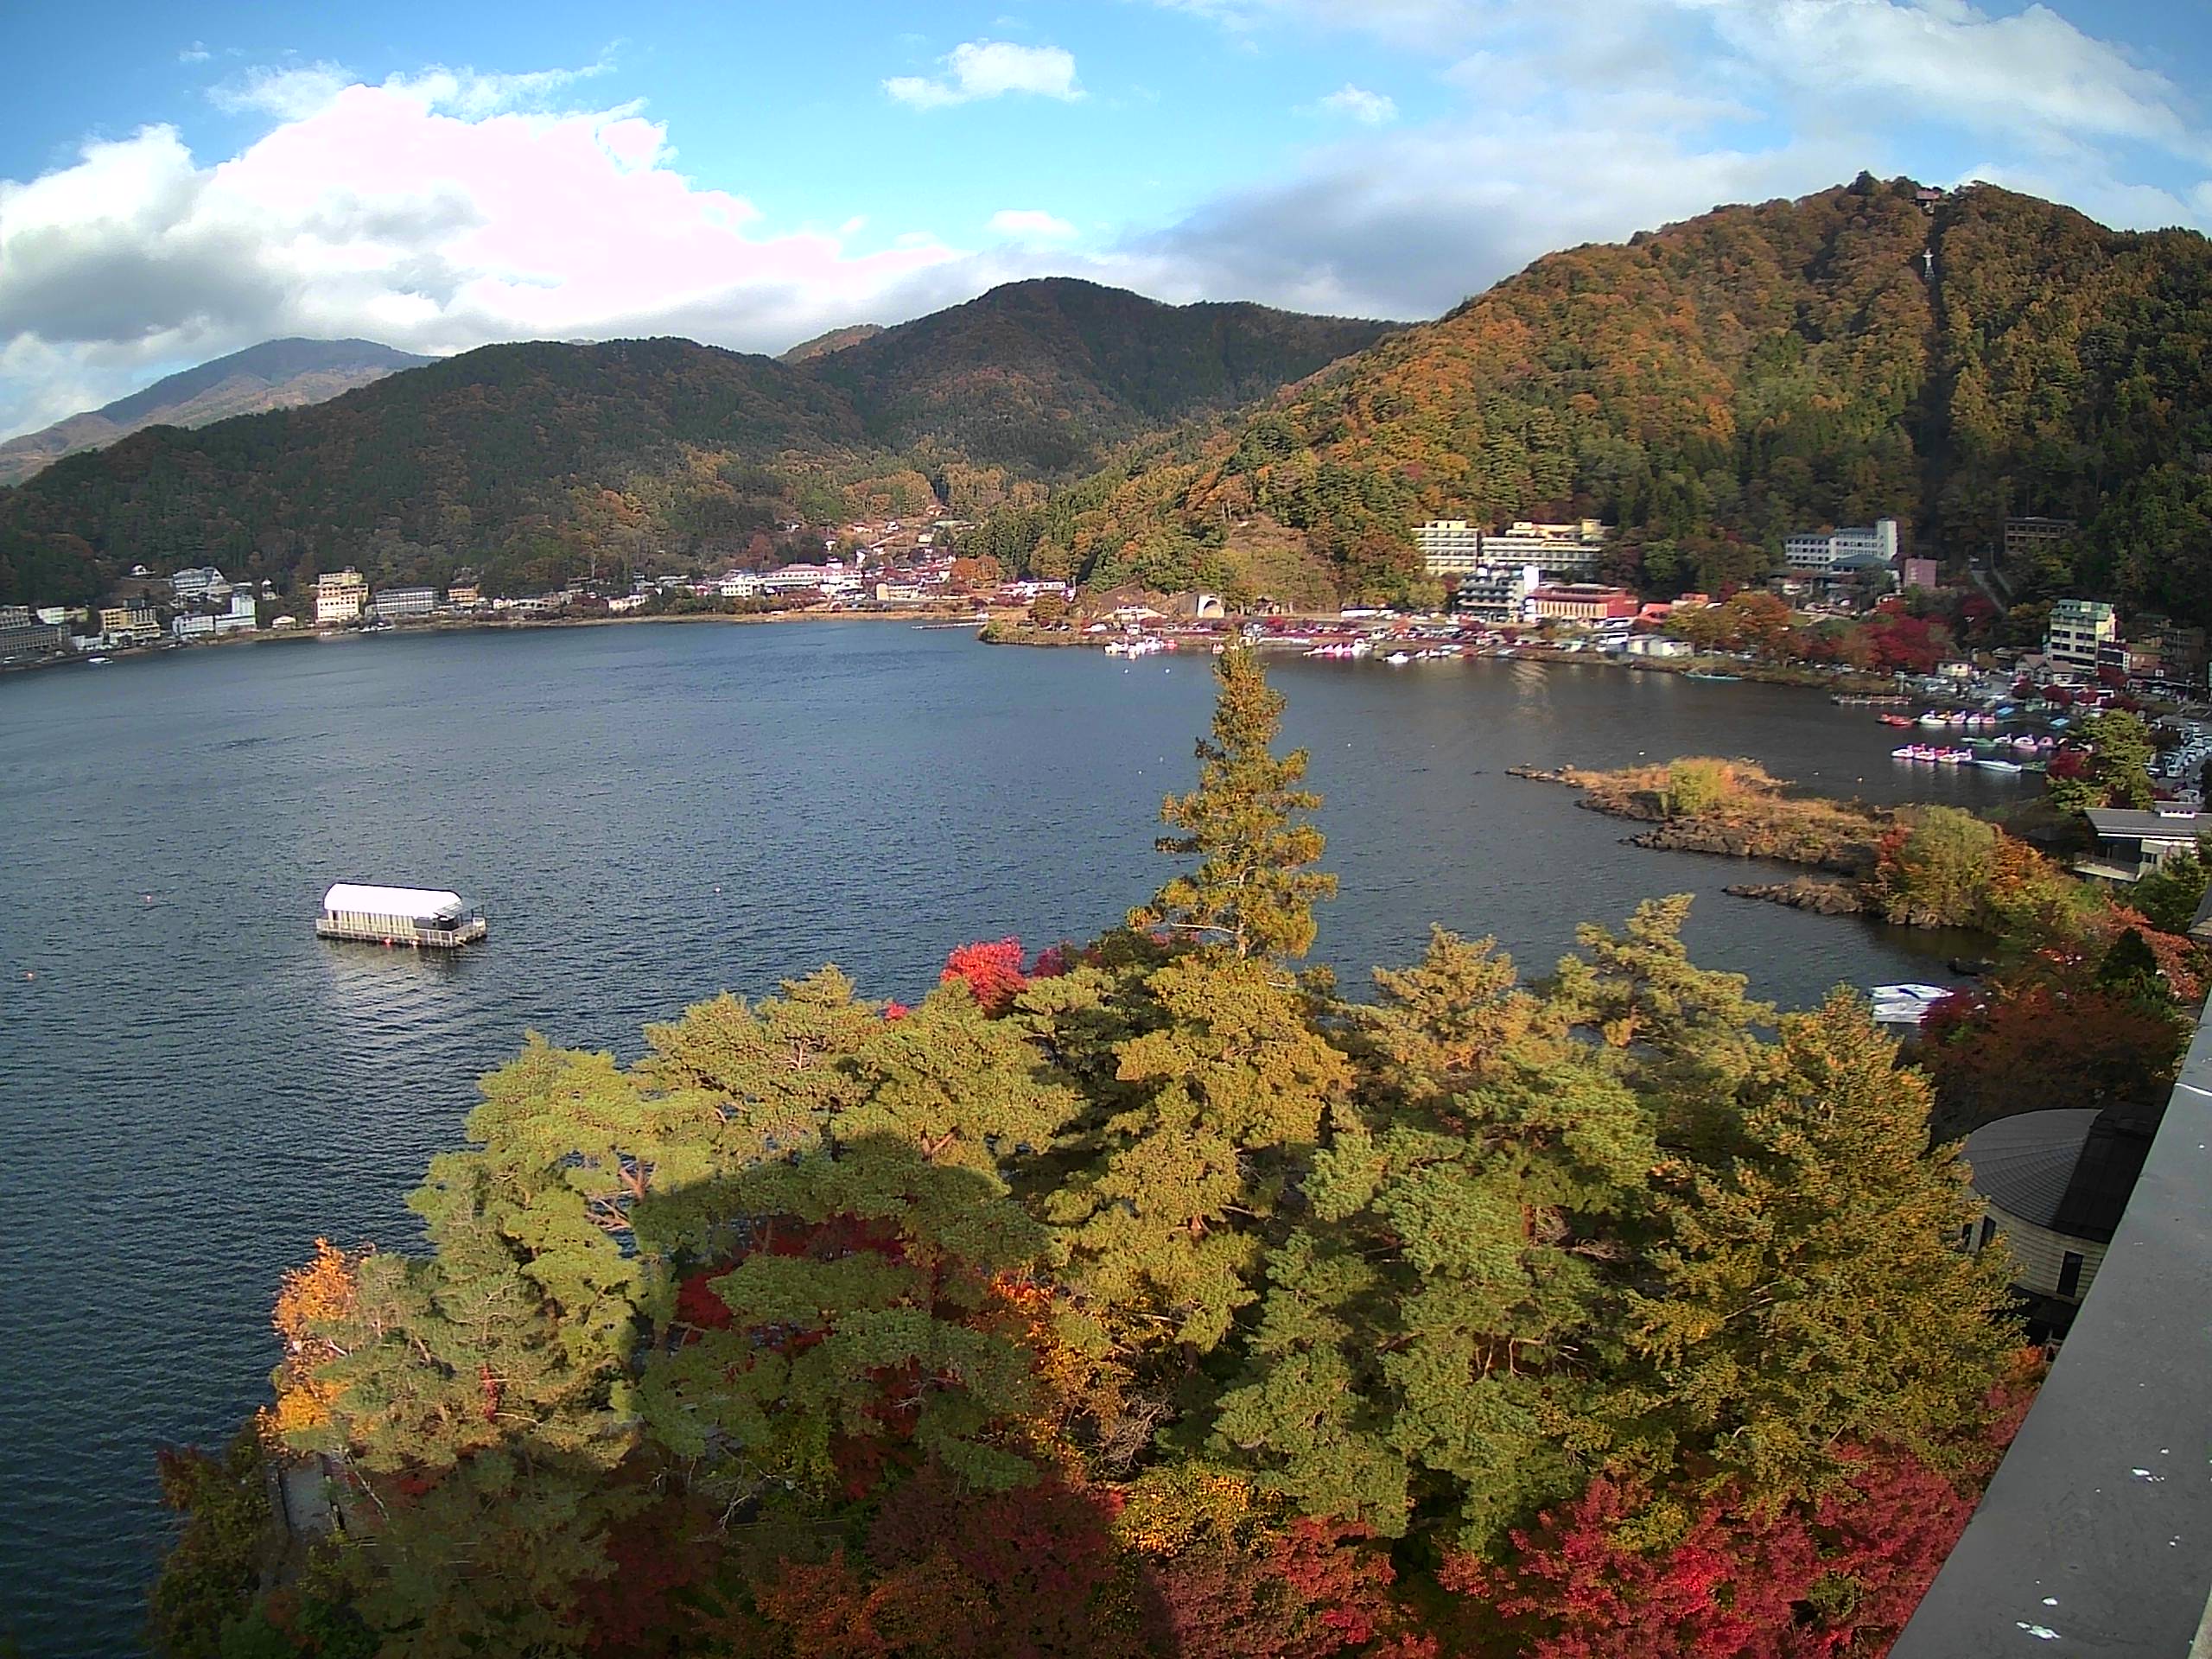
{"type": "Point", "coordinates": [197, 583]}
{"type": "Point", "coordinates": [14, 616]}
{"type": "Point", "coordinates": [212, 624]}
{"type": "Point", "coordinates": [340, 598]}
{"type": "Point", "coordinates": [830, 578]}
{"type": "Point", "coordinates": [1556, 549]}
{"type": "Point", "coordinates": [1452, 546]}
{"type": "Point", "coordinates": [1449, 547]}
{"type": "Point", "coordinates": [739, 584]}
{"type": "Point", "coordinates": [2076, 628]}
{"type": "Point", "coordinates": [1822, 550]}
{"type": "Point", "coordinates": [1497, 593]}
{"type": "Point", "coordinates": [394, 603]}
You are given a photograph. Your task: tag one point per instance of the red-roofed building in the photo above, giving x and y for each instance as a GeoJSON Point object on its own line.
{"type": "Point", "coordinates": [1580, 602]}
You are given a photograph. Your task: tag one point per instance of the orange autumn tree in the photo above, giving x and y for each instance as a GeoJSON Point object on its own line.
{"type": "Point", "coordinates": [315, 1299]}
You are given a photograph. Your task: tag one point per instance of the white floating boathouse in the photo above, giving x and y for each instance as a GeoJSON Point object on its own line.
{"type": "Point", "coordinates": [428, 919]}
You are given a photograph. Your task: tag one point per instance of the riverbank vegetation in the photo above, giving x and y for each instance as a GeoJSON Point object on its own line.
{"type": "Point", "coordinates": [1736, 808]}
{"type": "Point", "coordinates": [1149, 1297]}
{"type": "Point", "coordinates": [2090, 990]}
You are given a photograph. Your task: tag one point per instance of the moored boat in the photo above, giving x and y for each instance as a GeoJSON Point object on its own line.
{"type": "Point", "coordinates": [1906, 1005]}
{"type": "Point", "coordinates": [428, 919]}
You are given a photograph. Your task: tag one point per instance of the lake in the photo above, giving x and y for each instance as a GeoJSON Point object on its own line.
{"type": "Point", "coordinates": [194, 1086]}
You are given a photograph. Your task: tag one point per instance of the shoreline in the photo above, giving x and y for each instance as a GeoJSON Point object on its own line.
{"type": "Point", "coordinates": [1717, 669]}
{"type": "Point", "coordinates": [949, 621]}
{"type": "Point", "coordinates": [1835, 843]}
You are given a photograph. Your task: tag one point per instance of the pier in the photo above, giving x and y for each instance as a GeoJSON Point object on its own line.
{"type": "Point", "coordinates": [424, 938]}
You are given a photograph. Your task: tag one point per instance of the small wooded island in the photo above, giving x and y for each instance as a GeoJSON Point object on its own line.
{"type": "Point", "coordinates": [1150, 1296]}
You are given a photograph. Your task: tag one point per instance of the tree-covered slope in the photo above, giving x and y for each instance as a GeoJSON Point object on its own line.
{"type": "Point", "coordinates": [490, 450]}
{"type": "Point", "coordinates": [1712, 385]}
{"type": "Point", "coordinates": [529, 460]}
{"type": "Point", "coordinates": [1046, 373]}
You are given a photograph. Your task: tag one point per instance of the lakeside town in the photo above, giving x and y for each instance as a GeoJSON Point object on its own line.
{"type": "Point", "coordinates": [1845, 603]}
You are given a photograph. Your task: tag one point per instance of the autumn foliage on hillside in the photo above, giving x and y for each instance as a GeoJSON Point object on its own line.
{"type": "Point", "coordinates": [528, 462]}
{"type": "Point", "coordinates": [1150, 1299]}
{"type": "Point", "coordinates": [1709, 388]}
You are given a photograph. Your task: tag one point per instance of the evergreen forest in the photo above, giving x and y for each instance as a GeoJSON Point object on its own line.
{"type": "Point", "coordinates": [1150, 1295]}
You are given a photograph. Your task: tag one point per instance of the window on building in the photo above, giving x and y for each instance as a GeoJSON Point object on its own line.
{"type": "Point", "coordinates": [1988, 1231]}
{"type": "Point", "coordinates": [2069, 1273]}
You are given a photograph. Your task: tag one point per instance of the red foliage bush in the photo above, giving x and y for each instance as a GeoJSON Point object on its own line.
{"type": "Point", "coordinates": [1839, 1577]}
{"type": "Point", "coordinates": [1994, 1054]}
{"type": "Point", "coordinates": [1317, 1588]}
{"type": "Point", "coordinates": [992, 971]}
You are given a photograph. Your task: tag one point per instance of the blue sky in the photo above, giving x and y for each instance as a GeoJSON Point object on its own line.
{"type": "Point", "coordinates": [177, 182]}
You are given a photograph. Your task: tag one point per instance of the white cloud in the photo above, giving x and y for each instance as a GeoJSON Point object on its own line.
{"type": "Point", "coordinates": [196, 53]}
{"type": "Point", "coordinates": [420, 212]}
{"type": "Point", "coordinates": [2031, 75]}
{"type": "Point", "coordinates": [1030, 225]}
{"type": "Point", "coordinates": [1424, 23]}
{"type": "Point", "coordinates": [294, 92]}
{"type": "Point", "coordinates": [289, 93]}
{"type": "Point", "coordinates": [980, 69]}
{"type": "Point", "coordinates": [1677, 106]}
{"type": "Point", "coordinates": [1368, 109]}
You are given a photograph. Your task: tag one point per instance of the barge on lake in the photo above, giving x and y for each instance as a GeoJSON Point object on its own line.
{"type": "Point", "coordinates": [422, 917]}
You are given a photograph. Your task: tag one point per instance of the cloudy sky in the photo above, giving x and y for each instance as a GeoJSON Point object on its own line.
{"type": "Point", "coordinates": [177, 182]}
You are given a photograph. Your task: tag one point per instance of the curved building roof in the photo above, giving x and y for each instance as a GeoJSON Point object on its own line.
{"type": "Point", "coordinates": [2069, 1170]}
{"type": "Point", "coordinates": [390, 901]}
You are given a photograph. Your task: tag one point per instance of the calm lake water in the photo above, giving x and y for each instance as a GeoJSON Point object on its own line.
{"type": "Point", "coordinates": [193, 1086]}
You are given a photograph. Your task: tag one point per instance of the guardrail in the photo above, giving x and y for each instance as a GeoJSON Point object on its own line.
{"type": "Point", "coordinates": [2095, 1536]}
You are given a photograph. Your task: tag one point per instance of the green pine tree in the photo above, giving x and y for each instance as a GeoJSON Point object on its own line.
{"type": "Point", "coordinates": [1431, 1342]}
{"type": "Point", "coordinates": [1807, 1297]}
{"type": "Point", "coordinates": [960, 1087]}
{"type": "Point", "coordinates": [1222, 1100]}
{"type": "Point", "coordinates": [1683, 1034]}
{"type": "Point", "coordinates": [853, 1333]}
{"type": "Point", "coordinates": [1253, 889]}
{"type": "Point", "coordinates": [2120, 750]}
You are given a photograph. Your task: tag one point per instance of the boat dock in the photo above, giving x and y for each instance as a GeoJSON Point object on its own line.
{"type": "Point", "coordinates": [427, 918]}
{"type": "Point", "coordinates": [471, 930]}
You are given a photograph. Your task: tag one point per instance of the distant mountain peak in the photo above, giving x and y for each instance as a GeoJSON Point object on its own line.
{"type": "Point", "coordinates": [275, 374]}
{"type": "Point", "coordinates": [831, 340]}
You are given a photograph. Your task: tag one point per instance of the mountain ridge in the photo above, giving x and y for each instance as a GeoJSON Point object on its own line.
{"type": "Point", "coordinates": [1709, 386]}
{"type": "Point", "coordinates": [1869, 350]}
{"type": "Point", "coordinates": [525, 460]}
{"type": "Point", "coordinates": [276, 373]}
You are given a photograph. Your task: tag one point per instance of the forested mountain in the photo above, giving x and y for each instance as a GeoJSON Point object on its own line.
{"type": "Point", "coordinates": [526, 460]}
{"type": "Point", "coordinates": [276, 374]}
{"type": "Point", "coordinates": [1043, 373]}
{"type": "Point", "coordinates": [833, 340]}
{"type": "Point", "coordinates": [1711, 386]}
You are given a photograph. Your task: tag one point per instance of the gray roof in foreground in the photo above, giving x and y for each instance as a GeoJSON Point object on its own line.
{"type": "Point", "coordinates": [2126, 825]}
{"type": "Point", "coordinates": [2023, 1163]}
{"type": "Point", "coordinates": [2096, 1537]}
